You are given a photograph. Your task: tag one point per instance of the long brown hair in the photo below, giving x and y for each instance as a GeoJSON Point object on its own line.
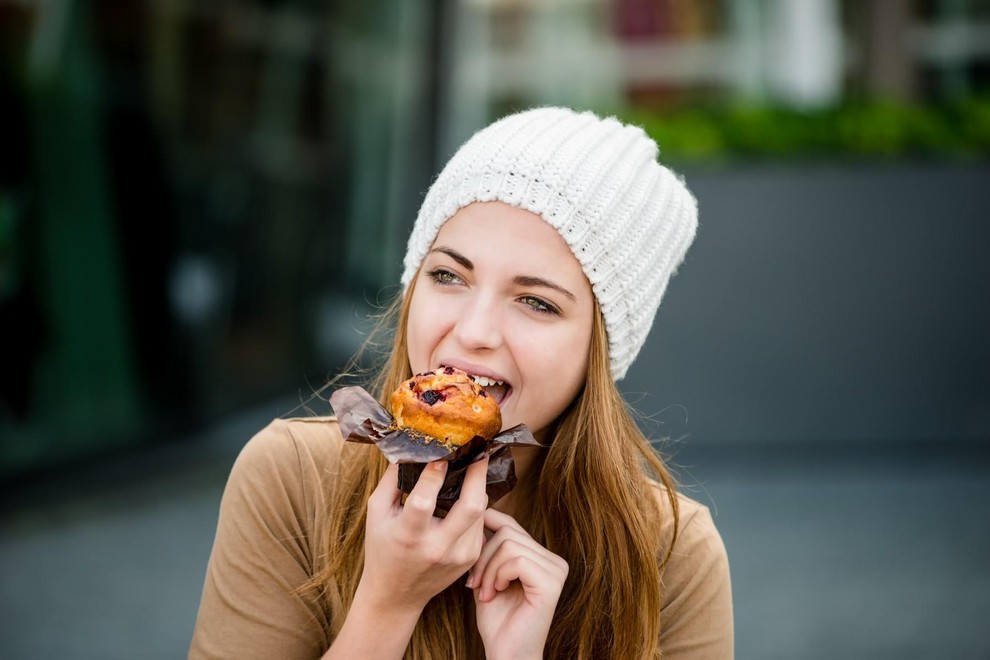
{"type": "Point", "coordinates": [593, 499]}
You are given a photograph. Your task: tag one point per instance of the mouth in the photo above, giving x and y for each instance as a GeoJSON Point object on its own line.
{"type": "Point", "coordinates": [500, 390]}
{"type": "Point", "coordinates": [496, 389]}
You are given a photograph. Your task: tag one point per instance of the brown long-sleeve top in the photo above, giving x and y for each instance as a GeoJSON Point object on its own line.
{"type": "Point", "coordinates": [270, 531]}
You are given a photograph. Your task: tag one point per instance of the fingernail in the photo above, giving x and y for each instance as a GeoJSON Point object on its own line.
{"type": "Point", "coordinates": [438, 465]}
{"type": "Point", "coordinates": [469, 582]}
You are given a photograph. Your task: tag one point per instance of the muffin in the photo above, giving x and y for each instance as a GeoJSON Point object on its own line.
{"type": "Point", "coordinates": [446, 405]}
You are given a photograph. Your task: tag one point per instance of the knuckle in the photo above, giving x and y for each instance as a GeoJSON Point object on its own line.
{"type": "Point", "coordinates": [418, 502]}
{"type": "Point", "coordinates": [502, 554]}
{"type": "Point", "coordinates": [473, 507]}
{"type": "Point", "coordinates": [511, 534]}
{"type": "Point", "coordinates": [406, 543]}
{"type": "Point", "coordinates": [511, 546]}
{"type": "Point", "coordinates": [434, 555]}
{"type": "Point", "coordinates": [466, 557]}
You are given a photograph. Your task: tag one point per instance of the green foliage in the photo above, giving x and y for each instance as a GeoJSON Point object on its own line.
{"type": "Point", "coordinates": [874, 130]}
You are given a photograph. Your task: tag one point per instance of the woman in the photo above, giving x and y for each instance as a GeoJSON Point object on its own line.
{"type": "Point", "coordinates": [537, 261]}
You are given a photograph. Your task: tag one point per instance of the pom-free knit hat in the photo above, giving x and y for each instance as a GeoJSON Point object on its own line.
{"type": "Point", "coordinates": [627, 219]}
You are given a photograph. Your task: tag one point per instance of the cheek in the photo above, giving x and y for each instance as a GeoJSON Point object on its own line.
{"type": "Point", "coordinates": [572, 361]}
{"type": "Point", "coordinates": [558, 365]}
{"type": "Point", "coordinates": [426, 327]}
{"type": "Point", "coordinates": [417, 337]}
{"type": "Point", "coordinates": [570, 371]}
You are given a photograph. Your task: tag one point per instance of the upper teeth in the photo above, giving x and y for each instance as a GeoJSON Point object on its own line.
{"type": "Point", "coordinates": [484, 381]}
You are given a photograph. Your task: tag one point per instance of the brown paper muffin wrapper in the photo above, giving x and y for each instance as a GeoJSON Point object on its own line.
{"type": "Point", "coordinates": [362, 419]}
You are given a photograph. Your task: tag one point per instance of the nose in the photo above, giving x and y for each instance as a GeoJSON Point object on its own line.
{"type": "Point", "coordinates": [478, 326]}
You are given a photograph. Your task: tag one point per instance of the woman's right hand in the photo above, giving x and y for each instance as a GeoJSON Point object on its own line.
{"type": "Point", "coordinates": [410, 555]}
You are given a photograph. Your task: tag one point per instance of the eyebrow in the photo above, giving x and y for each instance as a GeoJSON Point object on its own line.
{"type": "Point", "coordinates": [528, 280]}
{"type": "Point", "coordinates": [520, 280]}
{"type": "Point", "coordinates": [456, 256]}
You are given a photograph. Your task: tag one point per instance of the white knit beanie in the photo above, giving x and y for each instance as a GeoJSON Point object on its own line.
{"type": "Point", "coordinates": [628, 219]}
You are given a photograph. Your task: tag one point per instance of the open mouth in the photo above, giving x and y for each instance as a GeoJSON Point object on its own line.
{"type": "Point", "coordinates": [496, 389]}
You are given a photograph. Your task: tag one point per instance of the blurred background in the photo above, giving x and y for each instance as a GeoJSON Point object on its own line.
{"type": "Point", "coordinates": [202, 203]}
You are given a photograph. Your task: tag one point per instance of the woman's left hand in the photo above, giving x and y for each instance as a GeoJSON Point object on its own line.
{"type": "Point", "coordinates": [516, 583]}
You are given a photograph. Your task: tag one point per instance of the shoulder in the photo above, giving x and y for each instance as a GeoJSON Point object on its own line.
{"type": "Point", "coordinates": [285, 464]}
{"type": "Point", "coordinates": [697, 597]}
{"type": "Point", "coordinates": [316, 435]}
{"type": "Point", "coordinates": [268, 539]}
{"type": "Point", "coordinates": [697, 533]}
{"type": "Point", "coordinates": [696, 528]}
{"type": "Point", "coordinates": [298, 444]}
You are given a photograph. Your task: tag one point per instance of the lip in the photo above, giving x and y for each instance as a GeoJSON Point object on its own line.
{"type": "Point", "coordinates": [479, 370]}
{"type": "Point", "coordinates": [474, 370]}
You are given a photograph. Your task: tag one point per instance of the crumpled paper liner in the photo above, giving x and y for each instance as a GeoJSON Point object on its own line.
{"type": "Point", "coordinates": [362, 419]}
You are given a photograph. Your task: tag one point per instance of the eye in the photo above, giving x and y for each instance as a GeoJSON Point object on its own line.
{"type": "Point", "coordinates": [539, 305]}
{"type": "Point", "coordinates": [444, 277]}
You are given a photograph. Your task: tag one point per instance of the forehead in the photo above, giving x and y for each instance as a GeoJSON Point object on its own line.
{"type": "Point", "coordinates": [497, 230]}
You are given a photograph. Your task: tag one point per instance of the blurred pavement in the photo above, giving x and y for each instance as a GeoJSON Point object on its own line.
{"type": "Point", "coordinates": [847, 551]}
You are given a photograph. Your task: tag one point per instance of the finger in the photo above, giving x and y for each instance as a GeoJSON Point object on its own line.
{"type": "Point", "coordinates": [496, 520]}
{"type": "Point", "coordinates": [471, 543]}
{"type": "Point", "coordinates": [386, 494]}
{"type": "Point", "coordinates": [422, 500]}
{"type": "Point", "coordinates": [507, 562]}
{"type": "Point", "coordinates": [470, 506]}
{"type": "Point", "coordinates": [517, 568]}
{"type": "Point", "coordinates": [504, 527]}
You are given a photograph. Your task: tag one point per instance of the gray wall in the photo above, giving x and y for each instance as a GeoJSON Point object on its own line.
{"type": "Point", "coordinates": [827, 302]}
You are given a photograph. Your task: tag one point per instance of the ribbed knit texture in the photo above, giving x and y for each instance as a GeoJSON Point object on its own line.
{"type": "Point", "coordinates": [628, 219]}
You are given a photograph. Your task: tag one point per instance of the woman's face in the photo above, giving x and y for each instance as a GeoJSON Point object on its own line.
{"type": "Point", "coordinates": [501, 296]}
